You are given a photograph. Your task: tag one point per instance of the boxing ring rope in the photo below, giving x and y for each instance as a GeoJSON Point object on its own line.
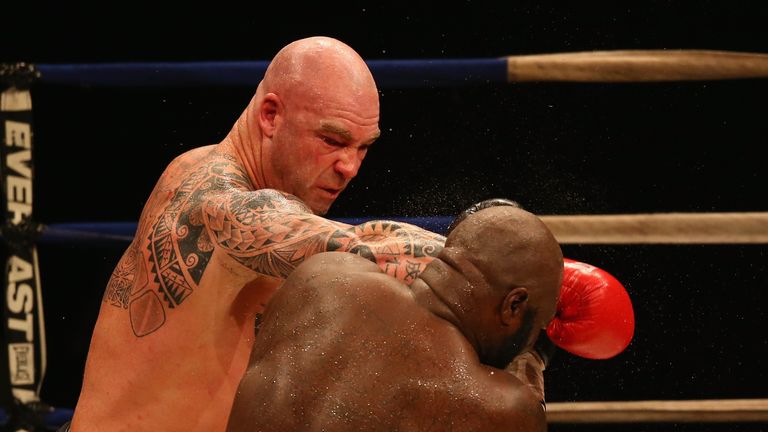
{"type": "Point", "coordinates": [670, 228]}
{"type": "Point", "coordinates": [590, 66]}
{"type": "Point", "coordinates": [594, 66]}
{"type": "Point", "coordinates": [659, 228]}
{"type": "Point", "coordinates": [671, 411]}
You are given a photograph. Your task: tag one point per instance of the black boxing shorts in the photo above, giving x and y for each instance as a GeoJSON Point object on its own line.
{"type": "Point", "coordinates": [64, 427]}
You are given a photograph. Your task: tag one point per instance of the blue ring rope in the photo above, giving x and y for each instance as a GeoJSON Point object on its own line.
{"type": "Point", "coordinates": [388, 73]}
{"type": "Point", "coordinates": [55, 418]}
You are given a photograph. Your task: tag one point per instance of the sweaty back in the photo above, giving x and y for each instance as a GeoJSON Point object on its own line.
{"type": "Point", "coordinates": [344, 347]}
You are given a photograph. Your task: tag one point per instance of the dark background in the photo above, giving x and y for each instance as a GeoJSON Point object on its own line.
{"type": "Point", "coordinates": [558, 148]}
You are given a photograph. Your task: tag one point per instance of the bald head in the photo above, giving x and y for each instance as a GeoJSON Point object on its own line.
{"type": "Point", "coordinates": [311, 122]}
{"type": "Point", "coordinates": [510, 247]}
{"type": "Point", "coordinates": [317, 65]}
{"type": "Point", "coordinates": [514, 267]}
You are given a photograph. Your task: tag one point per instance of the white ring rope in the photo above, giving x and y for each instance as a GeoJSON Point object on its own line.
{"type": "Point", "coordinates": [676, 228]}
{"type": "Point", "coordinates": [699, 411]}
{"type": "Point", "coordinates": [637, 66]}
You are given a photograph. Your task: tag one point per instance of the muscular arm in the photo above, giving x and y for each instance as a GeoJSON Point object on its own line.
{"type": "Point", "coordinates": [272, 233]}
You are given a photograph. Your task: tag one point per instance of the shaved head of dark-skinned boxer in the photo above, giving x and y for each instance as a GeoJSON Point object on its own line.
{"type": "Point", "coordinates": [344, 347]}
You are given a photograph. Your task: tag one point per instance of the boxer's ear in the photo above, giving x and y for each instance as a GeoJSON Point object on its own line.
{"type": "Point", "coordinates": [513, 306]}
{"type": "Point", "coordinates": [269, 110]}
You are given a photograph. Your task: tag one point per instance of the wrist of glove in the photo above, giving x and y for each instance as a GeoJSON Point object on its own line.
{"type": "Point", "coordinates": [529, 367]}
{"type": "Point", "coordinates": [544, 348]}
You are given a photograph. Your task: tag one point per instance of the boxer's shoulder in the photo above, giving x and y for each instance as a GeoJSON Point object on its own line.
{"type": "Point", "coordinates": [343, 275]}
{"type": "Point", "coordinates": [336, 264]}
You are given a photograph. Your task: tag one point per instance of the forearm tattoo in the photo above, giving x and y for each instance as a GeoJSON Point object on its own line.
{"type": "Point", "coordinates": [267, 231]}
{"type": "Point", "coordinates": [271, 233]}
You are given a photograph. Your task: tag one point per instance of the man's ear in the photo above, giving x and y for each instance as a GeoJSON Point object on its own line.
{"type": "Point", "coordinates": [514, 305]}
{"type": "Point", "coordinates": [269, 109]}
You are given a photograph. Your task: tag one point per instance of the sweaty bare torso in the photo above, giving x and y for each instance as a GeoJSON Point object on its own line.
{"type": "Point", "coordinates": [176, 324]}
{"type": "Point", "coordinates": [343, 347]}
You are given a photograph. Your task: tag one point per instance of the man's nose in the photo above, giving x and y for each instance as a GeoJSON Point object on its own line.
{"type": "Point", "coordinates": [348, 163]}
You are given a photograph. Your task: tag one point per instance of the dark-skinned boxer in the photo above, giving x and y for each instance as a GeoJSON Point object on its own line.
{"type": "Point", "coordinates": [342, 347]}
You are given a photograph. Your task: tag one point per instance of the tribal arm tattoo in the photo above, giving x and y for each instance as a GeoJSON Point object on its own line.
{"type": "Point", "coordinates": [272, 232]}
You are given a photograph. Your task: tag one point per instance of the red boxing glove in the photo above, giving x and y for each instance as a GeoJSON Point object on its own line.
{"type": "Point", "coordinates": [594, 316]}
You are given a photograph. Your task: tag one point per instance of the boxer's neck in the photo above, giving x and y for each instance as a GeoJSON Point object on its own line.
{"type": "Point", "coordinates": [436, 290]}
{"type": "Point", "coordinates": [244, 140]}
